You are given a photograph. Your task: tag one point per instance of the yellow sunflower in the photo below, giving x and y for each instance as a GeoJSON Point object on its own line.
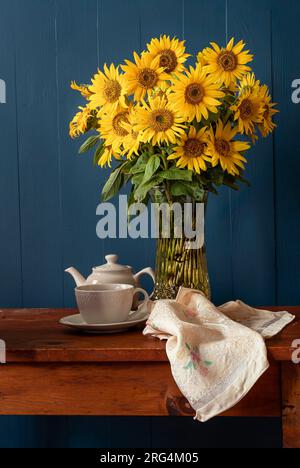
{"type": "Point", "coordinates": [192, 150]}
{"type": "Point", "coordinates": [107, 156]}
{"type": "Point", "coordinates": [108, 89]}
{"type": "Point", "coordinates": [80, 122]}
{"type": "Point", "coordinates": [201, 58]}
{"type": "Point", "coordinates": [229, 64]}
{"type": "Point", "coordinates": [248, 111]}
{"type": "Point", "coordinates": [83, 89]}
{"type": "Point", "coordinates": [249, 83]}
{"type": "Point", "coordinates": [267, 126]}
{"type": "Point", "coordinates": [195, 94]}
{"type": "Point", "coordinates": [111, 128]}
{"type": "Point", "coordinates": [171, 53]}
{"type": "Point", "coordinates": [131, 142]}
{"type": "Point", "coordinates": [158, 122]}
{"type": "Point", "coordinates": [224, 151]}
{"type": "Point", "coordinates": [144, 75]}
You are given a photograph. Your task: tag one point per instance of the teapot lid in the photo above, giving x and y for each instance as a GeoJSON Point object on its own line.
{"type": "Point", "coordinates": [111, 264]}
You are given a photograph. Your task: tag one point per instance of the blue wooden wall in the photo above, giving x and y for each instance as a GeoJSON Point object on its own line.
{"type": "Point", "coordinates": [49, 193]}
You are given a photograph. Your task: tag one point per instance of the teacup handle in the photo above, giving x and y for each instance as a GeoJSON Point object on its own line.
{"type": "Point", "coordinates": [146, 295]}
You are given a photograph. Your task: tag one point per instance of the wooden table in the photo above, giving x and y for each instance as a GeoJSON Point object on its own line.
{"type": "Point", "coordinates": [52, 370]}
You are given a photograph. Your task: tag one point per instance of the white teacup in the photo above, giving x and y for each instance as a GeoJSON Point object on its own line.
{"type": "Point", "coordinates": [106, 303]}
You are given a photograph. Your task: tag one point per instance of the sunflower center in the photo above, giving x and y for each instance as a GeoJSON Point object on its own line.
{"type": "Point", "coordinates": [161, 120]}
{"type": "Point", "coordinates": [112, 91]}
{"type": "Point", "coordinates": [246, 109]}
{"type": "Point", "coordinates": [194, 148]}
{"type": "Point", "coordinates": [168, 60]}
{"type": "Point", "coordinates": [147, 78]}
{"type": "Point", "coordinates": [227, 61]}
{"type": "Point", "coordinates": [117, 124]}
{"type": "Point", "coordinates": [222, 147]}
{"type": "Point", "coordinates": [194, 93]}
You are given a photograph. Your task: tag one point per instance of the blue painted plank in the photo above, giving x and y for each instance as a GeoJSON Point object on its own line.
{"type": "Point", "coordinates": [10, 246]}
{"type": "Point", "coordinates": [286, 59]}
{"type": "Point", "coordinates": [38, 152]}
{"type": "Point", "coordinates": [205, 21]}
{"type": "Point", "coordinates": [20, 432]}
{"type": "Point", "coordinates": [160, 17]}
{"type": "Point", "coordinates": [253, 236]}
{"type": "Point", "coordinates": [186, 433]}
{"type": "Point", "coordinates": [125, 432]}
{"type": "Point", "coordinates": [77, 59]}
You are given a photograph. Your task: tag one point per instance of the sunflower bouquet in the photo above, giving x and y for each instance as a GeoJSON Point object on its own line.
{"type": "Point", "coordinates": [187, 129]}
{"type": "Point", "coordinates": [176, 132]}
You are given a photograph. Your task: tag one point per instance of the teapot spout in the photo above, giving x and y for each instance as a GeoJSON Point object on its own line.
{"type": "Point", "coordinates": [78, 278]}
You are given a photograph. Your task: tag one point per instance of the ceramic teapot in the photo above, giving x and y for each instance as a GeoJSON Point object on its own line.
{"type": "Point", "coordinates": [111, 272]}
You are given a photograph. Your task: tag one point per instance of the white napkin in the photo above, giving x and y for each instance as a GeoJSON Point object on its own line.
{"type": "Point", "coordinates": [216, 354]}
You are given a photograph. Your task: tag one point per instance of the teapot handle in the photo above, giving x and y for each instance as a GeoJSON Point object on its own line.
{"type": "Point", "coordinates": [145, 271]}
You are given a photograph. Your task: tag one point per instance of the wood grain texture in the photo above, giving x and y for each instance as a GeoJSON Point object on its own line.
{"type": "Point", "coordinates": [139, 389]}
{"type": "Point", "coordinates": [291, 405]}
{"type": "Point", "coordinates": [36, 336]}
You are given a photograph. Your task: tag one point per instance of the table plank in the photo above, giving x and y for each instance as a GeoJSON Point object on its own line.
{"type": "Point", "coordinates": [291, 404]}
{"type": "Point", "coordinates": [115, 389]}
{"type": "Point", "coordinates": [34, 335]}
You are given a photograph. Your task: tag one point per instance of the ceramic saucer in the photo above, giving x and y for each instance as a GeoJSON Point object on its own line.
{"type": "Point", "coordinates": [76, 322]}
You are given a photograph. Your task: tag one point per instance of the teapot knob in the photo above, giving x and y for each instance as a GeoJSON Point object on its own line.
{"type": "Point", "coordinates": [111, 258]}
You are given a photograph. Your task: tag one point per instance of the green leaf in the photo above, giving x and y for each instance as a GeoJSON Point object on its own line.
{"type": "Point", "coordinates": [112, 185]}
{"type": "Point", "coordinates": [140, 164]}
{"type": "Point", "coordinates": [244, 181]}
{"type": "Point", "coordinates": [98, 153]}
{"type": "Point", "coordinates": [89, 144]}
{"type": "Point", "coordinates": [127, 166]}
{"type": "Point", "coordinates": [231, 184]}
{"type": "Point", "coordinates": [143, 189]}
{"type": "Point", "coordinates": [169, 150]}
{"type": "Point", "coordinates": [137, 179]}
{"type": "Point", "coordinates": [151, 167]}
{"type": "Point", "coordinates": [193, 190]}
{"type": "Point", "coordinates": [176, 174]}
{"type": "Point", "coordinates": [218, 177]}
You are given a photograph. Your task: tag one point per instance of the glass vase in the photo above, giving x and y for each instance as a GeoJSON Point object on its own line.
{"type": "Point", "coordinates": [180, 258]}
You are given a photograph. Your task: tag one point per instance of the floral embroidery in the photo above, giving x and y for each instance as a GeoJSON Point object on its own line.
{"type": "Point", "coordinates": [195, 362]}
